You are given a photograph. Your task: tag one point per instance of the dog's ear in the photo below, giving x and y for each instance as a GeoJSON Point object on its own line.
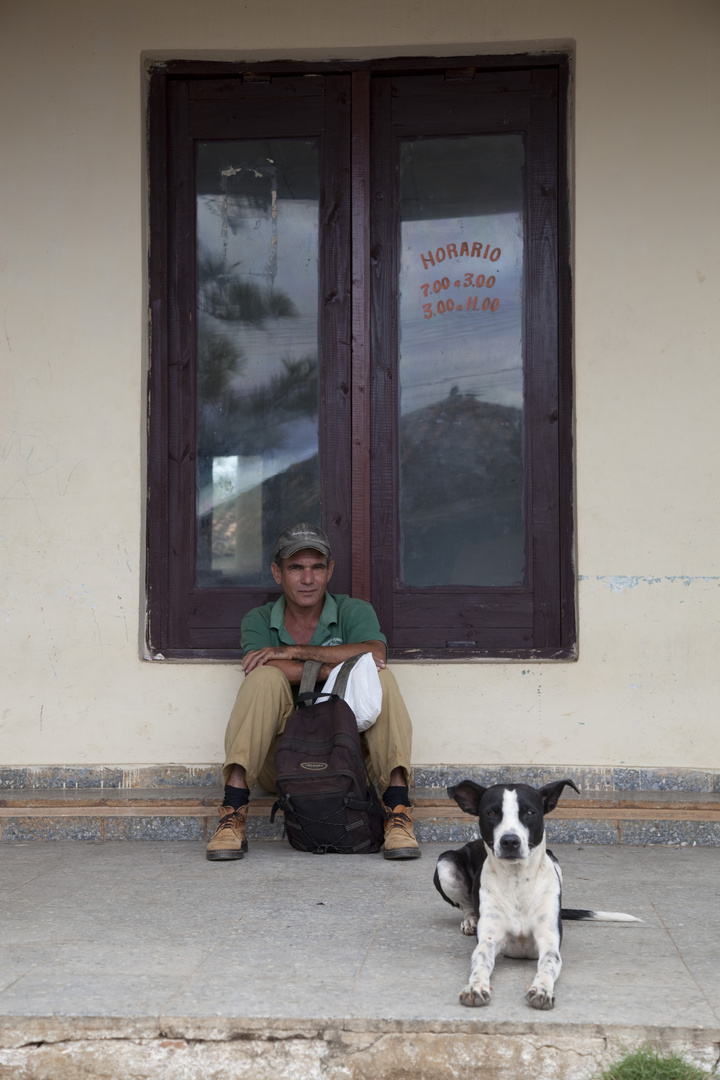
{"type": "Point", "coordinates": [467, 794]}
{"type": "Point", "coordinates": [551, 793]}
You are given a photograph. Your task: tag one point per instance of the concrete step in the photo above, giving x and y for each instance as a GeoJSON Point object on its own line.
{"type": "Point", "coordinates": [190, 813]}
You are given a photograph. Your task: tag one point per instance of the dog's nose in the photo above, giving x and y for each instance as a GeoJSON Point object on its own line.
{"type": "Point", "coordinates": [509, 844]}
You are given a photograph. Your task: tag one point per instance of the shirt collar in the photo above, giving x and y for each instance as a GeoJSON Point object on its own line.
{"type": "Point", "coordinates": [328, 615]}
{"type": "Point", "coordinates": [277, 615]}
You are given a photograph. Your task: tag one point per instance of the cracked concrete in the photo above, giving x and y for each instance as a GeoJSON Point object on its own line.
{"type": "Point", "coordinates": [143, 960]}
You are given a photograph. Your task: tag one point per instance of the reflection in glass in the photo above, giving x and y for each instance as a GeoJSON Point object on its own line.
{"type": "Point", "coordinates": [257, 311]}
{"type": "Point", "coordinates": [461, 361]}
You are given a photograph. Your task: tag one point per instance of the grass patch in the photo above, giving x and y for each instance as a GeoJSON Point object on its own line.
{"type": "Point", "coordinates": [646, 1064]}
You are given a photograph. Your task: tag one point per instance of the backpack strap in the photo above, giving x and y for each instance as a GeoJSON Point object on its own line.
{"type": "Point", "coordinates": [310, 672]}
{"type": "Point", "coordinates": [344, 674]}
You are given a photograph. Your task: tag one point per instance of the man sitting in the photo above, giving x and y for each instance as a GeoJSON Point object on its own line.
{"type": "Point", "coordinates": [308, 623]}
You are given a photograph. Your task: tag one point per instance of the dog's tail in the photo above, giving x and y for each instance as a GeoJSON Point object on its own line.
{"type": "Point", "coordinates": [584, 915]}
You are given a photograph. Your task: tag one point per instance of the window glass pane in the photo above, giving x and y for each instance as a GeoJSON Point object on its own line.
{"type": "Point", "coordinates": [257, 314]}
{"type": "Point", "coordinates": [461, 361]}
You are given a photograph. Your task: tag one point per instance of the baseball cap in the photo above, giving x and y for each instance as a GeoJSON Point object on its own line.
{"type": "Point", "coordinates": [302, 535]}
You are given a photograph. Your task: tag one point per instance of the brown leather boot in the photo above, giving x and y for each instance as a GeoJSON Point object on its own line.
{"type": "Point", "coordinates": [229, 840]}
{"type": "Point", "coordinates": [400, 842]}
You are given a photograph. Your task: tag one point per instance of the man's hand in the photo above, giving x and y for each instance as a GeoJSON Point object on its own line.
{"type": "Point", "coordinates": [262, 656]}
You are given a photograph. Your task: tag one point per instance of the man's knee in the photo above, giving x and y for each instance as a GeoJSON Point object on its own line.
{"type": "Point", "coordinates": [392, 697]}
{"type": "Point", "coordinates": [394, 710]}
{"type": "Point", "coordinates": [388, 682]}
{"type": "Point", "coordinates": [264, 692]}
{"type": "Point", "coordinates": [265, 674]}
{"type": "Point", "coordinates": [264, 682]}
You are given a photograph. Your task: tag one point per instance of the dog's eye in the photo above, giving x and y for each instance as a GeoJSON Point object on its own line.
{"type": "Point", "coordinates": [528, 813]}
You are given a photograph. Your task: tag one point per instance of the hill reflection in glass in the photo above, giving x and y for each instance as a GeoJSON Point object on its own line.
{"type": "Point", "coordinates": [461, 472]}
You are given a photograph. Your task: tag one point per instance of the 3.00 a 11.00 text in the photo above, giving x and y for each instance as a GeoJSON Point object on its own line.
{"type": "Point", "coordinates": [444, 306]}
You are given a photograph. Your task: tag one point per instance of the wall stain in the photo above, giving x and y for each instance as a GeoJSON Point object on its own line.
{"type": "Point", "coordinates": [620, 582]}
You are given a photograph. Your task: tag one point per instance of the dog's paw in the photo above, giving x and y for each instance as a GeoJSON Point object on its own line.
{"type": "Point", "coordinates": [469, 926]}
{"type": "Point", "coordinates": [539, 998]}
{"type": "Point", "coordinates": [475, 996]}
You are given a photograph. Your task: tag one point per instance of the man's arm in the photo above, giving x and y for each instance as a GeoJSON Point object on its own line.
{"type": "Point", "coordinates": [290, 658]}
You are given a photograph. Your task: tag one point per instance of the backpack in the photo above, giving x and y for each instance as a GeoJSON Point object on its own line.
{"type": "Point", "coordinates": [323, 787]}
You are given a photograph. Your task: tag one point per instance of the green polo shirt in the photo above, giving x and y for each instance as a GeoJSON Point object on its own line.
{"type": "Point", "coordinates": [343, 620]}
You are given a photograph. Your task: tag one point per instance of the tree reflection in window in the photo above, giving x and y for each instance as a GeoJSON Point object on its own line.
{"type": "Point", "coordinates": [257, 372]}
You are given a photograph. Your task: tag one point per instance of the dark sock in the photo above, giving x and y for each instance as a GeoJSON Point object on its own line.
{"type": "Point", "coordinates": [235, 796]}
{"type": "Point", "coordinates": [396, 796]}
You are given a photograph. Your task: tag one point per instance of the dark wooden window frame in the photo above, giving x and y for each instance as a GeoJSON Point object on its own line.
{"type": "Point", "coordinates": [194, 100]}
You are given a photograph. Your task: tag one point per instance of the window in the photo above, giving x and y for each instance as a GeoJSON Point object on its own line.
{"type": "Point", "coordinates": [360, 317]}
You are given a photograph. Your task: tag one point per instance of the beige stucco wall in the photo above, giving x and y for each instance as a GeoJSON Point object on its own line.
{"type": "Point", "coordinates": [74, 688]}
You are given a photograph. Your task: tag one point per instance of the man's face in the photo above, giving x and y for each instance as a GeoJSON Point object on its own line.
{"type": "Point", "coordinates": [304, 577]}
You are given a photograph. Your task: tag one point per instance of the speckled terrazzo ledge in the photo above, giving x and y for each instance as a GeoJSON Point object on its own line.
{"type": "Point", "coordinates": [587, 778]}
{"type": "Point", "coordinates": [670, 809]}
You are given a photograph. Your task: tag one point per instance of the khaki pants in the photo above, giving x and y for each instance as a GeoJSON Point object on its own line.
{"type": "Point", "coordinates": [262, 707]}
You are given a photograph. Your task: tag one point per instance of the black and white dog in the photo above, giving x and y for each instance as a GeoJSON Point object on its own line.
{"type": "Point", "coordinates": [508, 886]}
